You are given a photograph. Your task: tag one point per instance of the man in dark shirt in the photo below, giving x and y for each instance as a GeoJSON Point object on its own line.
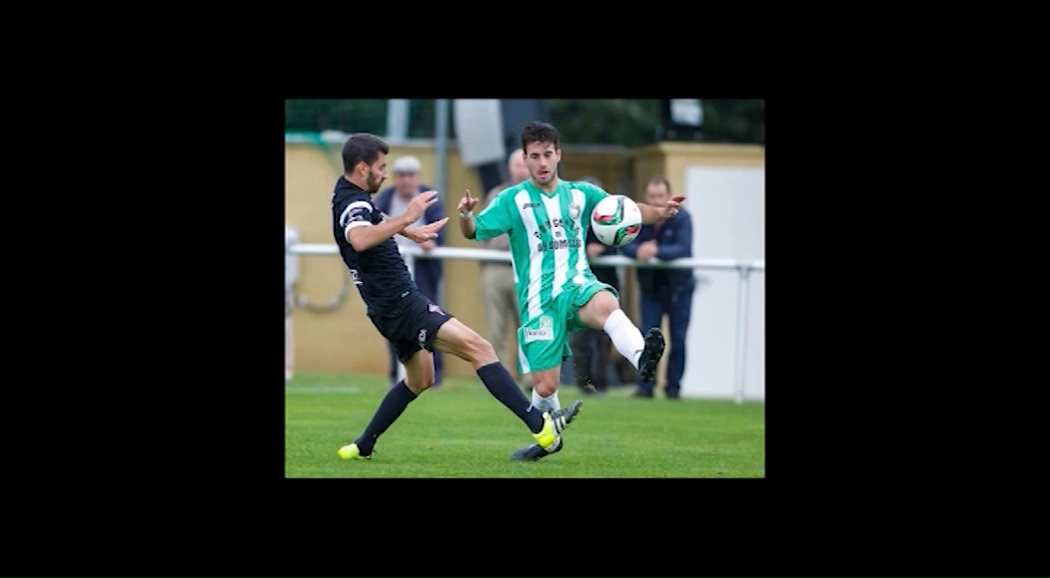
{"type": "Point", "coordinates": [665, 292]}
{"type": "Point", "coordinates": [401, 313]}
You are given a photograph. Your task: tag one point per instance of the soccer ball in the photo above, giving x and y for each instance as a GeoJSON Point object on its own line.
{"type": "Point", "coordinates": [616, 220]}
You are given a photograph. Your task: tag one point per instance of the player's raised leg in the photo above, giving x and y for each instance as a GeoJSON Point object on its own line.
{"type": "Point", "coordinates": [456, 338]}
{"type": "Point", "coordinates": [603, 311]}
{"type": "Point", "coordinates": [419, 376]}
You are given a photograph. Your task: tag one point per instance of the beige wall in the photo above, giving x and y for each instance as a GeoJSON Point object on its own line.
{"type": "Point", "coordinates": [670, 159]}
{"type": "Point", "coordinates": [344, 340]}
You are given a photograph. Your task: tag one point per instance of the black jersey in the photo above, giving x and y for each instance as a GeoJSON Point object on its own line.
{"type": "Point", "coordinates": [379, 273]}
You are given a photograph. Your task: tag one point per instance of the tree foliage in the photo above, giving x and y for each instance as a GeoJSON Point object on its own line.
{"type": "Point", "coordinates": [626, 122]}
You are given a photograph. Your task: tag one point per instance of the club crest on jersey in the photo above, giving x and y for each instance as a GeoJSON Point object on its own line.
{"type": "Point", "coordinates": [574, 211]}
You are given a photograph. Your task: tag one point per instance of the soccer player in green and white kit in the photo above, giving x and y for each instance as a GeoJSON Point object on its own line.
{"type": "Point", "coordinates": [546, 220]}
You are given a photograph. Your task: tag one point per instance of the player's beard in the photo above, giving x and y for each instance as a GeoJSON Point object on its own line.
{"type": "Point", "coordinates": [373, 182]}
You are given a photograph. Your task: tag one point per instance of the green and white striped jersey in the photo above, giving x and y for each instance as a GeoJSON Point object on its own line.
{"type": "Point", "coordinates": [547, 233]}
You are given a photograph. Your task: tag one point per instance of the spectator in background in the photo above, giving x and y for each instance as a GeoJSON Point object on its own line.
{"type": "Point", "coordinates": [591, 347]}
{"type": "Point", "coordinates": [665, 291]}
{"type": "Point", "coordinates": [427, 272]}
{"type": "Point", "coordinates": [497, 278]}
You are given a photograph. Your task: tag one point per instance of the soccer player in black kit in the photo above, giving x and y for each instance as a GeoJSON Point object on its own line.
{"type": "Point", "coordinates": [403, 315]}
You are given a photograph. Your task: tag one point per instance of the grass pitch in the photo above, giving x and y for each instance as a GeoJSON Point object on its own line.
{"type": "Point", "coordinates": [461, 431]}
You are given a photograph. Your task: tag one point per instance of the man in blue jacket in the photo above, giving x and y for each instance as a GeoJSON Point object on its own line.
{"type": "Point", "coordinates": [665, 291]}
{"type": "Point", "coordinates": [426, 273]}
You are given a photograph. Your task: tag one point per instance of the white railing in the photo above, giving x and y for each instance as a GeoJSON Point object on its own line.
{"type": "Point", "coordinates": [743, 269]}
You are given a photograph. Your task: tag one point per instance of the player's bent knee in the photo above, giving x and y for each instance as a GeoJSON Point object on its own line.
{"type": "Point", "coordinates": [465, 343]}
{"type": "Point", "coordinates": [482, 351]}
{"type": "Point", "coordinates": [545, 390]}
{"type": "Point", "coordinates": [478, 349]}
{"type": "Point", "coordinates": [607, 303]}
{"type": "Point", "coordinates": [419, 386]}
{"type": "Point", "coordinates": [598, 308]}
{"type": "Point", "coordinates": [545, 383]}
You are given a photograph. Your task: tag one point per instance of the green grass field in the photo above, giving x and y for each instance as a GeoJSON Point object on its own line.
{"type": "Point", "coordinates": [461, 431]}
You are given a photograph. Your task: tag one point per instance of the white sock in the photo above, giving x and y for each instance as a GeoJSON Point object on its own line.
{"type": "Point", "coordinates": [625, 336]}
{"type": "Point", "coordinates": [549, 403]}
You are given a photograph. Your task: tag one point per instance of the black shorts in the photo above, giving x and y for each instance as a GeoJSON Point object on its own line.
{"type": "Point", "coordinates": [412, 327]}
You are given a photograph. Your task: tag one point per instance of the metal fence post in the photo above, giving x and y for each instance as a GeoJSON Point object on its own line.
{"type": "Point", "coordinates": [741, 332]}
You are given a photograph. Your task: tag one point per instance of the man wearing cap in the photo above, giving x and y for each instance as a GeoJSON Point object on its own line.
{"type": "Point", "coordinates": [393, 201]}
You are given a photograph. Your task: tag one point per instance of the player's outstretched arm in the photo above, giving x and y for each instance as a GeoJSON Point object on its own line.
{"type": "Point", "coordinates": [424, 233]}
{"type": "Point", "coordinates": [420, 234]}
{"type": "Point", "coordinates": [364, 238]}
{"type": "Point", "coordinates": [651, 214]}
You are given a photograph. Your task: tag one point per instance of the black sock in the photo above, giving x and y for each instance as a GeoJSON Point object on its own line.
{"type": "Point", "coordinates": [389, 409]}
{"type": "Point", "coordinates": [501, 385]}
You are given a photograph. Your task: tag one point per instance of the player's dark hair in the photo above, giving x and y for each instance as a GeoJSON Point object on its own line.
{"type": "Point", "coordinates": [538, 131]}
{"type": "Point", "coordinates": [362, 147]}
{"type": "Point", "coordinates": [657, 181]}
